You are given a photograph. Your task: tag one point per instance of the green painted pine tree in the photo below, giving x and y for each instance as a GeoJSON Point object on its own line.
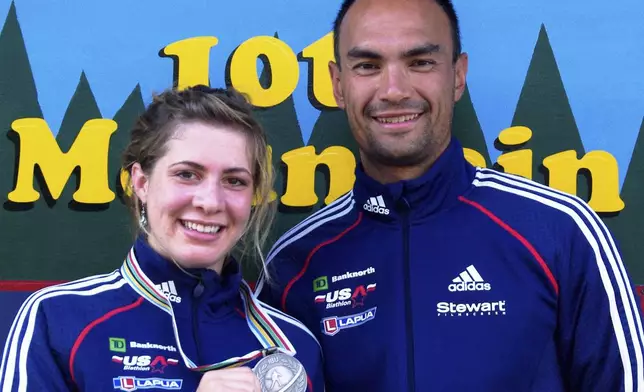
{"type": "Point", "coordinates": [118, 224]}
{"type": "Point", "coordinates": [544, 108]}
{"type": "Point", "coordinates": [18, 99]}
{"type": "Point", "coordinates": [466, 127]}
{"type": "Point", "coordinates": [627, 227]}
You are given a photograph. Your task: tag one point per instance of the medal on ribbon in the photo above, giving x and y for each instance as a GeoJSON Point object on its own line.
{"type": "Point", "coordinates": [278, 370]}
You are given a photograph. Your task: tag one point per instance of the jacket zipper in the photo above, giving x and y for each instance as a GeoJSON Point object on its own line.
{"type": "Point", "coordinates": [196, 293]}
{"type": "Point", "coordinates": [411, 363]}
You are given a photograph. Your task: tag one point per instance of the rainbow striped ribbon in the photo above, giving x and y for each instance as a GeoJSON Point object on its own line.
{"type": "Point", "coordinates": [263, 327]}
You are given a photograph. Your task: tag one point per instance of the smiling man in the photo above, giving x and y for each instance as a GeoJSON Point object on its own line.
{"type": "Point", "coordinates": [432, 274]}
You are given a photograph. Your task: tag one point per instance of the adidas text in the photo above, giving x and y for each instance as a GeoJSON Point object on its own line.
{"type": "Point", "coordinates": [472, 286]}
{"type": "Point", "coordinates": [172, 297]}
{"type": "Point", "coordinates": [376, 209]}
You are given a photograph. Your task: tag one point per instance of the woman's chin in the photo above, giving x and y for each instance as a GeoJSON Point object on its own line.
{"type": "Point", "coordinates": [198, 261]}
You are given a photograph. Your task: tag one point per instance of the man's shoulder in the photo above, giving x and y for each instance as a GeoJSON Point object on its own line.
{"type": "Point", "coordinates": [323, 225]}
{"type": "Point", "coordinates": [516, 199]}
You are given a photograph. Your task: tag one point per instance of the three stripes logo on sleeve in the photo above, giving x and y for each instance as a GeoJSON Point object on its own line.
{"type": "Point", "coordinates": [469, 280]}
{"type": "Point", "coordinates": [376, 205]}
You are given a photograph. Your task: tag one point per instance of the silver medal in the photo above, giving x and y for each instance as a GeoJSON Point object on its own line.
{"type": "Point", "coordinates": [280, 373]}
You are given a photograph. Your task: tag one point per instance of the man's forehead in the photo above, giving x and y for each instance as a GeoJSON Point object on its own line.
{"type": "Point", "coordinates": [380, 25]}
{"type": "Point", "coordinates": [382, 18]}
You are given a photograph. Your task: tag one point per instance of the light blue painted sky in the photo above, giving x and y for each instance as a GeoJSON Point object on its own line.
{"type": "Point", "coordinates": [599, 47]}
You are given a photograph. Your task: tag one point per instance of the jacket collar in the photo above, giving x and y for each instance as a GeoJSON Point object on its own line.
{"type": "Point", "coordinates": [209, 288]}
{"type": "Point", "coordinates": [437, 189]}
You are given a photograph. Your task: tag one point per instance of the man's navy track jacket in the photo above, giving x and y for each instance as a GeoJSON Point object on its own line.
{"type": "Point", "coordinates": [464, 279]}
{"type": "Point", "coordinates": [98, 334]}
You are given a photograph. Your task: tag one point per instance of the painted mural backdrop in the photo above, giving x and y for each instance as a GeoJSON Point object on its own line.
{"type": "Point", "coordinates": [555, 93]}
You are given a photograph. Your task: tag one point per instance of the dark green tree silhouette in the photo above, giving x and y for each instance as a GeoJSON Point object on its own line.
{"type": "Point", "coordinates": [70, 234]}
{"type": "Point", "coordinates": [466, 127]}
{"type": "Point", "coordinates": [544, 108]}
{"type": "Point", "coordinates": [18, 99]}
{"type": "Point", "coordinates": [628, 225]}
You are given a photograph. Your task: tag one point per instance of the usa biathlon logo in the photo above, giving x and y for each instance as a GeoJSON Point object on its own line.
{"type": "Point", "coordinates": [144, 363]}
{"type": "Point", "coordinates": [133, 383]}
{"type": "Point", "coordinates": [333, 325]}
{"type": "Point", "coordinates": [345, 297]}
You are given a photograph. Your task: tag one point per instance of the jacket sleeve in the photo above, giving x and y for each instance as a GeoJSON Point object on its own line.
{"type": "Point", "coordinates": [600, 325]}
{"type": "Point", "coordinates": [316, 380]}
{"type": "Point", "coordinates": [28, 361]}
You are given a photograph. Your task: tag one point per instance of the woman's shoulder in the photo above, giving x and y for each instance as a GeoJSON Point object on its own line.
{"type": "Point", "coordinates": [78, 299]}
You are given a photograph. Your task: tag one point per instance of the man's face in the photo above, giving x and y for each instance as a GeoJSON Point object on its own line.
{"type": "Point", "coordinates": [397, 81]}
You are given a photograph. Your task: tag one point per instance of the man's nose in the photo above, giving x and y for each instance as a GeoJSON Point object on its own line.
{"type": "Point", "coordinates": [395, 85]}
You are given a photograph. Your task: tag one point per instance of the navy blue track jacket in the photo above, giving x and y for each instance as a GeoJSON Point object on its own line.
{"type": "Point", "coordinates": [464, 279]}
{"type": "Point", "coordinates": [98, 334]}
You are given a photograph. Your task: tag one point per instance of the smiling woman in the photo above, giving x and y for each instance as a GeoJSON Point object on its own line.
{"type": "Point", "coordinates": [197, 160]}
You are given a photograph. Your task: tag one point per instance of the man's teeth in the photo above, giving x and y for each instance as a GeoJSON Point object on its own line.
{"type": "Point", "coordinates": [201, 228]}
{"type": "Point", "coordinates": [399, 119]}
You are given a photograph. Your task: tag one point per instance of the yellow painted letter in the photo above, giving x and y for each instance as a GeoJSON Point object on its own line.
{"type": "Point", "coordinates": [89, 152]}
{"type": "Point", "coordinates": [604, 195]}
{"type": "Point", "coordinates": [191, 60]}
{"type": "Point", "coordinates": [321, 52]}
{"type": "Point", "coordinates": [474, 157]}
{"type": "Point", "coordinates": [516, 162]}
{"type": "Point", "coordinates": [283, 65]}
{"type": "Point", "coordinates": [301, 164]}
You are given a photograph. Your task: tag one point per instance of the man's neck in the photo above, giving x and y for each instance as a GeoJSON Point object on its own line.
{"type": "Point", "coordinates": [387, 174]}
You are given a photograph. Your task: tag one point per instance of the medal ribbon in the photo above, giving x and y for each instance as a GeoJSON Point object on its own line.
{"type": "Point", "coordinates": [263, 327]}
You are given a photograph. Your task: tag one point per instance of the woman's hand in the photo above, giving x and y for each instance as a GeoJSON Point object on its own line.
{"type": "Point", "coordinates": [241, 379]}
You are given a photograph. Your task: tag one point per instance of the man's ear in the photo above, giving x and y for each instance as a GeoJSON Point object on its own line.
{"type": "Point", "coordinates": [460, 76]}
{"type": "Point", "coordinates": [334, 71]}
{"type": "Point", "coordinates": [139, 181]}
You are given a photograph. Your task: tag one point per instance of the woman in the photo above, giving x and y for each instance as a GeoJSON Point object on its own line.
{"type": "Point", "coordinates": [177, 315]}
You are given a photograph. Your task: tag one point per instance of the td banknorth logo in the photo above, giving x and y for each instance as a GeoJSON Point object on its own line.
{"type": "Point", "coordinates": [352, 275]}
{"type": "Point", "coordinates": [376, 205]}
{"type": "Point", "coordinates": [469, 280]}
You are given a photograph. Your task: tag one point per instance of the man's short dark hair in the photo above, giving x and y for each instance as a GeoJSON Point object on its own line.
{"type": "Point", "coordinates": [446, 5]}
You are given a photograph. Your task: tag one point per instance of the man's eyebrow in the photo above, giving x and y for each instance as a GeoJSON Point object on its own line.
{"type": "Point", "coordinates": [360, 53]}
{"type": "Point", "coordinates": [422, 50]}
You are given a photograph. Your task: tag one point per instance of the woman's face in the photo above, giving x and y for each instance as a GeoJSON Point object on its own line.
{"type": "Point", "coordinates": [198, 195]}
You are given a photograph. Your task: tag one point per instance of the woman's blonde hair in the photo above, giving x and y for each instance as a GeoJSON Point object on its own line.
{"type": "Point", "coordinates": [223, 107]}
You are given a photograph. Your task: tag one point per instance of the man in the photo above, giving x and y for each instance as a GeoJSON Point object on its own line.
{"type": "Point", "coordinates": [434, 275]}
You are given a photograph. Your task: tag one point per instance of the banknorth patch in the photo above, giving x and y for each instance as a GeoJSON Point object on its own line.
{"type": "Point", "coordinates": [333, 325]}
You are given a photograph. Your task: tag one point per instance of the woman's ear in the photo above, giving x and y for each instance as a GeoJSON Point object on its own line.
{"type": "Point", "coordinates": [139, 181]}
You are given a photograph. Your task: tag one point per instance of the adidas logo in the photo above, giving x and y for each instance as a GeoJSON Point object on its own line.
{"type": "Point", "coordinates": [169, 290]}
{"type": "Point", "coordinates": [377, 205]}
{"type": "Point", "coordinates": [469, 280]}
